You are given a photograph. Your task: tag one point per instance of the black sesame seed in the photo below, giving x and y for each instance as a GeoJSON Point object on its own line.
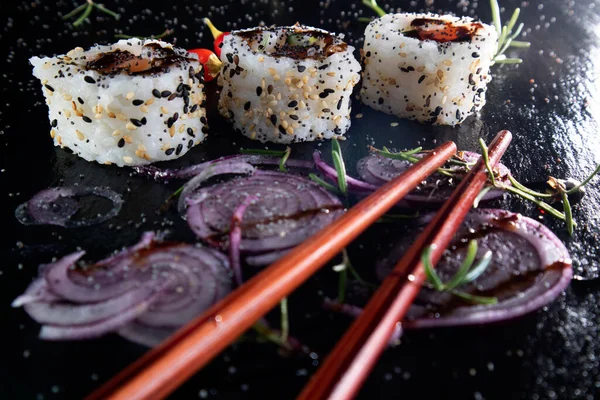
{"type": "Point", "coordinates": [203, 120]}
{"type": "Point", "coordinates": [475, 54]}
{"type": "Point", "coordinates": [175, 117]}
{"type": "Point", "coordinates": [294, 117]}
{"type": "Point", "coordinates": [121, 142]}
{"type": "Point", "coordinates": [194, 108]}
{"type": "Point", "coordinates": [274, 119]}
{"type": "Point", "coordinates": [301, 68]}
{"type": "Point", "coordinates": [169, 151]}
{"type": "Point", "coordinates": [180, 87]}
{"type": "Point", "coordinates": [292, 103]}
{"type": "Point", "coordinates": [179, 149]}
{"type": "Point", "coordinates": [156, 93]}
{"type": "Point", "coordinates": [190, 144]}
{"type": "Point", "coordinates": [136, 122]}
{"type": "Point", "coordinates": [86, 119]}
{"type": "Point", "coordinates": [422, 78]}
{"type": "Point", "coordinates": [190, 132]}
{"type": "Point", "coordinates": [380, 100]}
{"type": "Point", "coordinates": [54, 123]}
{"type": "Point", "coordinates": [247, 105]}
{"type": "Point", "coordinates": [50, 88]}
{"type": "Point", "coordinates": [89, 79]}
{"type": "Point", "coordinates": [170, 122]}
{"type": "Point", "coordinates": [80, 100]}
{"type": "Point", "coordinates": [165, 93]}
{"type": "Point", "coordinates": [137, 102]}
{"type": "Point", "coordinates": [270, 89]}
{"type": "Point", "coordinates": [339, 104]}
{"type": "Point", "coordinates": [143, 121]}
{"type": "Point", "coordinates": [172, 97]}
{"type": "Point", "coordinates": [229, 57]}
{"type": "Point", "coordinates": [282, 130]}
{"type": "Point", "coordinates": [258, 90]}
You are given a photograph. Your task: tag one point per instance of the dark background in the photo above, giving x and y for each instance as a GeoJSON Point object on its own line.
{"type": "Point", "coordinates": [551, 103]}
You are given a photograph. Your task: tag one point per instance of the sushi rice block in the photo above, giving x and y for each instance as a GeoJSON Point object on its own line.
{"type": "Point", "coordinates": [287, 84]}
{"type": "Point", "coordinates": [131, 103]}
{"type": "Point", "coordinates": [428, 67]}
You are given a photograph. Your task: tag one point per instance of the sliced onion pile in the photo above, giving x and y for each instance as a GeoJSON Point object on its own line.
{"type": "Point", "coordinates": [165, 175]}
{"type": "Point", "coordinates": [530, 267]}
{"type": "Point", "coordinates": [155, 285]}
{"type": "Point", "coordinates": [288, 209]}
{"type": "Point", "coordinates": [57, 206]}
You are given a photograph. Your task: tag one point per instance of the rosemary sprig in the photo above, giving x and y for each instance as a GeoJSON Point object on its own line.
{"type": "Point", "coordinates": [263, 152]}
{"type": "Point", "coordinates": [268, 334]}
{"type": "Point", "coordinates": [372, 4]}
{"type": "Point", "coordinates": [167, 32]}
{"type": "Point", "coordinates": [506, 36]}
{"type": "Point", "coordinates": [466, 273]}
{"type": "Point", "coordinates": [84, 10]}
{"type": "Point", "coordinates": [284, 158]}
{"type": "Point", "coordinates": [285, 321]}
{"type": "Point", "coordinates": [340, 167]}
{"type": "Point", "coordinates": [167, 203]}
{"type": "Point", "coordinates": [486, 161]}
{"type": "Point", "coordinates": [323, 183]}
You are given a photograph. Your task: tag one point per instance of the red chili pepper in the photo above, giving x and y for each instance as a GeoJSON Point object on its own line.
{"type": "Point", "coordinates": [217, 34]}
{"type": "Point", "coordinates": [210, 62]}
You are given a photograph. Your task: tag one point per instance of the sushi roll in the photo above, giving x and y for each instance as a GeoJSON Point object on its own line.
{"type": "Point", "coordinates": [131, 103]}
{"type": "Point", "coordinates": [287, 84]}
{"type": "Point", "coordinates": [428, 67]}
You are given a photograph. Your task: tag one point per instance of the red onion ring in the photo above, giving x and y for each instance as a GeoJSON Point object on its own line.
{"type": "Point", "coordinates": [378, 170]}
{"type": "Point", "coordinates": [331, 174]}
{"type": "Point", "coordinates": [165, 175]}
{"type": "Point", "coordinates": [157, 284]}
{"type": "Point", "coordinates": [289, 210]}
{"type": "Point", "coordinates": [235, 237]}
{"type": "Point", "coordinates": [56, 206]}
{"type": "Point", "coordinates": [527, 257]}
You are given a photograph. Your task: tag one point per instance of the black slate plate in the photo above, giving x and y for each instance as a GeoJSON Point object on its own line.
{"type": "Point", "coordinates": [551, 103]}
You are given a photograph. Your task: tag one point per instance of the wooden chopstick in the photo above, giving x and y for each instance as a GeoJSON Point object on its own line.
{"type": "Point", "coordinates": [163, 369]}
{"type": "Point", "coordinates": [347, 366]}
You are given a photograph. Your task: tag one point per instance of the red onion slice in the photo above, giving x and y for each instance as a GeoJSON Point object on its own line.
{"type": "Point", "coordinates": [161, 284]}
{"type": "Point", "coordinates": [289, 209]}
{"type": "Point", "coordinates": [145, 335]}
{"type": "Point", "coordinates": [530, 268]}
{"type": "Point", "coordinates": [235, 237]}
{"type": "Point", "coordinates": [165, 175]}
{"type": "Point", "coordinates": [377, 170]}
{"type": "Point", "coordinates": [57, 206]}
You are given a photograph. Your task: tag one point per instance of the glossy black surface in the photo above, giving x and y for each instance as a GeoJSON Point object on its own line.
{"type": "Point", "coordinates": [551, 103]}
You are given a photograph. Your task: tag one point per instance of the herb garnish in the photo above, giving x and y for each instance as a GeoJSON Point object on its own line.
{"type": "Point", "coordinates": [284, 154]}
{"type": "Point", "coordinates": [506, 36]}
{"type": "Point", "coordinates": [340, 167]}
{"type": "Point", "coordinates": [167, 32]}
{"type": "Point", "coordinates": [372, 4]}
{"type": "Point", "coordinates": [466, 273]}
{"type": "Point", "coordinates": [85, 10]}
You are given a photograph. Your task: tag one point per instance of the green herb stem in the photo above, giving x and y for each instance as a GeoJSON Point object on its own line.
{"type": "Point", "coordinates": [372, 4]}
{"type": "Point", "coordinates": [340, 167]}
{"type": "Point", "coordinates": [343, 279]}
{"type": "Point", "coordinates": [284, 159]}
{"type": "Point", "coordinates": [107, 11]}
{"type": "Point", "coordinates": [568, 212]}
{"type": "Point", "coordinates": [321, 182]}
{"type": "Point", "coordinates": [76, 11]}
{"type": "Point", "coordinates": [525, 189]}
{"type": "Point", "coordinates": [285, 323]}
{"type": "Point", "coordinates": [263, 152]}
{"type": "Point", "coordinates": [585, 182]}
{"type": "Point", "coordinates": [84, 16]}
{"type": "Point", "coordinates": [486, 161]}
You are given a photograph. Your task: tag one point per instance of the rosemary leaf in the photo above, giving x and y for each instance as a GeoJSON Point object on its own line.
{"type": "Point", "coordinates": [568, 212]}
{"type": "Point", "coordinates": [340, 168]}
{"type": "Point", "coordinates": [486, 161]}
{"type": "Point", "coordinates": [432, 276]}
{"type": "Point", "coordinates": [459, 277]}
{"type": "Point", "coordinates": [321, 182]}
{"type": "Point", "coordinates": [285, 322]}
{"type": "Point", "coordinates": [479, 268]}
{"type": "Point", "coordinates": [284, 159]}
{"type": "Point", "coordinates": [76, 11]}
{"type": "Point", "coordinates": [496, 16]}
{"type": "Point", "coordinates": [84, 16]}
{"type": "Point", "coordinates": [263, 152]}
{"type": "Point", "coordinates": [107, 11]}
{"type": "Point", "coordinates": [519, 44]}
{"type": "Point", "coordinates": [372, 4]}
{"type": "Point", "coordinates": [483, 300]}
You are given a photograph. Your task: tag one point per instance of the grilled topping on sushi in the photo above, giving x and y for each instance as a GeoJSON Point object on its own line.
{"type": "Point", "coordinates": [427, 67]}
{"type": "Point", "coordinates": [287, 84]}
{"type": "Point", "coordinates": [151, 60]}
{"type": "Point", "coordinates": [442, 31]}
{"type": "Point", "coordinates": [296, 42]}
{"type": "Point", "coordinates": [131, 103]}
